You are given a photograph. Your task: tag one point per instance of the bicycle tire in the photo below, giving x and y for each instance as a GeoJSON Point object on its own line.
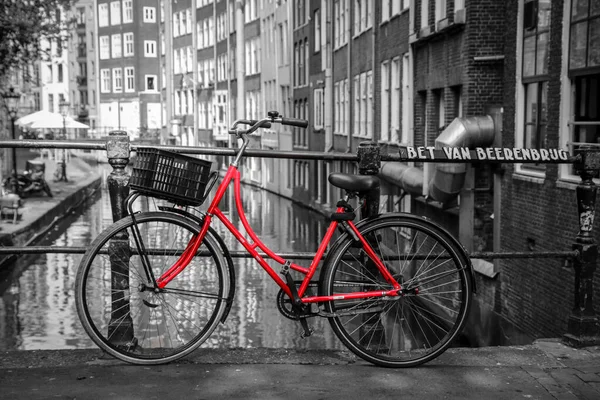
{"type": "Point", "coordinates": [407, 330]}
{"type": "Point", "coordinates": [150, 326]}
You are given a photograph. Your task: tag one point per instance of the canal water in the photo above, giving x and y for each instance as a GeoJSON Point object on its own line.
{"type": "Point", "coordinates": [37, 302]}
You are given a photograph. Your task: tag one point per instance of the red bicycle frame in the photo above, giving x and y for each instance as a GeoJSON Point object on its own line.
{"type": "Point", "coordinates": [213, 210]}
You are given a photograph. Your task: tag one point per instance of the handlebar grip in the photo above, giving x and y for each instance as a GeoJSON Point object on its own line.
{"type": "Point", "coordinates": [302, 123]}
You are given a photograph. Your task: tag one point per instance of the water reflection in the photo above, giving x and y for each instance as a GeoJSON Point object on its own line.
{"type": "Point", "coordinates": [37, 307]}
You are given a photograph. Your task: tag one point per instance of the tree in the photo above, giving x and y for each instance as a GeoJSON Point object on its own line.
{"type": "Point", "coordinates": [23, 26]}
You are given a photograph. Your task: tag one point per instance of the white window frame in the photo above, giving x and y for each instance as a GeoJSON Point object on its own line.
{"type": "Point", "coordinates": [337, 108]}
{"type": "Point", "coordinates": [406, 99]}
{"type": "Point", "coordinates": [424, 23]}
{"type": "Point", "coordinates": [117, 80]}
{"type": "Point", "coordinates": [395, 99]}
{"type": "Point", "coordinates": [104, 47]}
{"type": "Point", "coordinates": [105, 80]}
{"type": "Point", "coordinates": [149, 14]}
{"type": "Point", "coordinates": [127, 11]}
{"type": "Point", "coordinates": [363, 106]}
{"type": "Point", "coordinates": [176, 24]}
{"type": "Point", "coordinates": [317, 35]}
{"type": "Point", "coordinates": [128, 44]}
{"type": "Point", "coordinates": [103, 15]}
{"type": "Point", "coordinates": [385, 10]}
{"type": "Point", "coordinates": [115, 13]}
{"type": "Point", "coordinates": [150, 48]}
{"type": "Point", "coordinates": [188, 21]}
{"type": "Point", "coordinates": [146, 83]}
{"type": "Point", "coordinates": [385, 101]}
{"type": "Point", "coordinates": [319, 108]}
{"type": "Point", "coordinates": [129, 79]}
{"type": "Point", "coordinates": [441, 10]}
{"type": "Point", "coordinates": [116, 47]}
{"type": "Point", "coordinates": [369, 82]}
{"type": "Point", "coordinates": [176, 61]}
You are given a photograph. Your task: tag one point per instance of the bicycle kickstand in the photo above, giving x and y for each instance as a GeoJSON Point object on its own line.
{"type": "Point", "coordinates": [296, 302]}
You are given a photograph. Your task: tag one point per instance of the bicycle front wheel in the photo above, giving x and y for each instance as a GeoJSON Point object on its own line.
{"type": "Point", "coordinates": [407, 330]}
{"type": "Point", "coordinates": [121, 309]}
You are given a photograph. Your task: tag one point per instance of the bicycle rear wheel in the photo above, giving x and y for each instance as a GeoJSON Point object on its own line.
{"type": "Point", "coordinates": [416, 327]}
{"type": "Point", "coordinates": [121, 310]}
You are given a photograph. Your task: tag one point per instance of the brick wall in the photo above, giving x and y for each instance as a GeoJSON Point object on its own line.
{"type": "Point", "coordinates": [537, 293]}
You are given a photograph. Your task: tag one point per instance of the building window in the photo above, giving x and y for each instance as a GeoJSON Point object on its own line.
{"type": "Point", "coordinates": [363, 15]}
{"type": "Point", "coordinates": [536, 35]}
{"type": "Point", "coordinates": [300, 12]}
{"type": "Point", "coordinates": [176, 24]}
{"type": "Point", "coordinates": [585, 34]}
{"type": "Point", "coordinates": [385, 101]}
{"type": "Point", "coordinates": [116, 47]}
{"type": "Point", "coordinates": [440, 10]}
{"type": "Point", "coordinates": [583, 74]}
{"type": "Point", "coordinates": [127, 11]}
{"type": "Point", "coordinates": [128, 39]}
{"type": "Point", "coordinates": [129, 79]}
{"type": "Point", "coordinates": [252, 50]}
{"type": "Point", "coordinates": [317, 36]}
{"type": "Point", "coordinates": [250, 10]}
{"type": "Point", "coordinates": [424, 13]}
{"type": "Point", "coordinates": [536, 114]}
{"type": "Point", "coordinates": [188, 20]}
{"type": "Point", "coordinates": [103, 15]}
{"type": "Point", "coordinates": [149, 48]}
{"type": "Point", "coordinates": [406, 92]}
{"type": "Point", "coordinates": [319, 109]}
{"type": "Point", "coordinates": [149, 14]}
{"type": "Point", "coordinates": [340, 14]}
{"type": "Point", "coordinates": [115, 13]}
{"type": "Point", "coordinates": [395, 94]}
{"type": "Point", "coordinates": [363, 101]}
{"type": "Point", "coordinates": [283, 44]}
{"type": "Point", "coordinates": [151, 85]}
{"type": "Point", "coordinates": [104, 47]}
{"type": "Point", "coordinates": [105, 81]}
{"type": "Point", "coordinates": [341, 103]}
{"type": "Point", "coordinates": [117, 80]}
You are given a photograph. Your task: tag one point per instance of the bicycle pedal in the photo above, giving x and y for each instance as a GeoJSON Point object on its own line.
{"type": "Point", "coordinates": [307, 333]}
{"type": "Point", "coordinates": [307, 330]}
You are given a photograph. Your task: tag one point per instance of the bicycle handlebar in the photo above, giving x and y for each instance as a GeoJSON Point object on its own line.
{"type": "Point", "coordinates": [302, 123]}
{"type": "Point", "coordinates": [273, 117]}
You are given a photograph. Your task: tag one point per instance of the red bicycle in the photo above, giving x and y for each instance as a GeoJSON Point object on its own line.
{"type": "Point", "coordinates": [153, 286]}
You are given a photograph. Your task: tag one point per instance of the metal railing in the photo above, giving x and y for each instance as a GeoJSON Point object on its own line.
{"type": "Point", "coordinates": [583, 322]}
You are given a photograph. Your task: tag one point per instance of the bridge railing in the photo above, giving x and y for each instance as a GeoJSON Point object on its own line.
{"type": "Point", "coordinates": [583, 326]}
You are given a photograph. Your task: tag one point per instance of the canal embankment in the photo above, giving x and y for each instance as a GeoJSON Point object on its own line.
{"type": "Point", "coordinates": [39, 212]}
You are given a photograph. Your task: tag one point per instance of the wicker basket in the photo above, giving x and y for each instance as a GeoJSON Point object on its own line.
{"type": "Point", "coordinates": [171, 176]}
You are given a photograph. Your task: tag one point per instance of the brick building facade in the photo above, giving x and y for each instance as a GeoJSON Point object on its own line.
{"type": "Point", "coordinates": [550, 101]}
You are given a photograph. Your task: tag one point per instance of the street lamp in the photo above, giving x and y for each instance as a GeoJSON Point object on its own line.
{"type": "Point", "coordinates": [62, 167]}
{"type": "Point", "coordinates": [11, 102]}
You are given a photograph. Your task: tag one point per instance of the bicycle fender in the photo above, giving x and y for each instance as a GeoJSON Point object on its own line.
{"type": "Point", "coordinates": [215, 235]}
{"type": "Point", "coordinates": [365, 221]}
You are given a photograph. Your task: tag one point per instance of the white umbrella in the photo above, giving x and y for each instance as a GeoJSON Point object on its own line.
{"type": "Point", "coordinates": [56, 121]}
{"type": "Point", "coordinates": [34, 117]}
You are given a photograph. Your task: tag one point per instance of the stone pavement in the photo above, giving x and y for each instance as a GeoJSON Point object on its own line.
{"type": "Point", "coordinates": [545, 370]}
